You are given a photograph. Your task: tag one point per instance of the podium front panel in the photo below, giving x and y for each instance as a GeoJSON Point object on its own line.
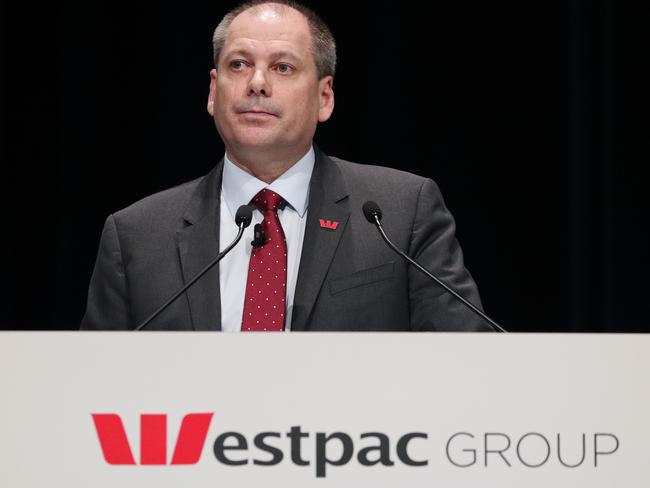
{"type": "Point", "coordinates": [109, 409]}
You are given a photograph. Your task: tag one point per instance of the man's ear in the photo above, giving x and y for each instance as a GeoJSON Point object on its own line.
{"type": "Point", "coordinates": [213, 91]}
{"type": "Point", "coordinates": [326, 98]}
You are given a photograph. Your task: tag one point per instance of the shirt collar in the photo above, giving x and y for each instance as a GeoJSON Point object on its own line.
{"type": "Point", "coordinates": [239, 187]}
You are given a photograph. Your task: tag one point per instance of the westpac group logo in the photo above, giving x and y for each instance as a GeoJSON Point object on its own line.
{"type": "Point", "coordinates": [329, 450]}
{"type": "Point", "coordinates": [153, 439]}
{"type": "Point", "coordinates": [328, 224]}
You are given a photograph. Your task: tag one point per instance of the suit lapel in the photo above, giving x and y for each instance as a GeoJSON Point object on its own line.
{"type": "Point", "coordinates": [327, 201]}
{"type": "Point", "coordinates": [198, 243]}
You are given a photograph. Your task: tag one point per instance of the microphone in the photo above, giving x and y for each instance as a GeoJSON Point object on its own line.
{"type": "Point", "coordinates": [373, 215]}
{"type": "Point", "coordinates": [243, 219]}
{"type": "Point", "coordinates": [259, 239]}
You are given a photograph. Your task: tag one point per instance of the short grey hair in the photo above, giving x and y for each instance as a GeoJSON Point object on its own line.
{"type": "Point", "coordinates": [323, 46]}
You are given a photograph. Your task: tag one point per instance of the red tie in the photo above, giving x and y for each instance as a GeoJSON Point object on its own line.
{"type": "Point", "coordinates": [264, 307]}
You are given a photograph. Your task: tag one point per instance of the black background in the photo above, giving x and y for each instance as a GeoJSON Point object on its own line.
{"type": "Point", "coordinates": [531, 116]}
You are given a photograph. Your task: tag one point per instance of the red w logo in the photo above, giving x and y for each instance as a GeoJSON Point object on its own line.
{"type": "Point", "coordinates": [328, 224]}
{"type": "Point", "coordinates": [153, 438]}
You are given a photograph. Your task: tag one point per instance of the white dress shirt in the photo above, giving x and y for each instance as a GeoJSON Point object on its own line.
{"type": "Point", "coordinates": [238, 188]}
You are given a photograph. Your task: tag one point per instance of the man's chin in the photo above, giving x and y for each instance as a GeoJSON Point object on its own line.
{"type": "Point", "coordinates": [257, 139]}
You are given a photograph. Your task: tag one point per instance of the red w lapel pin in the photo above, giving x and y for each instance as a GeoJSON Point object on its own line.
{"type": "Point", "coordinates": [328, 224]}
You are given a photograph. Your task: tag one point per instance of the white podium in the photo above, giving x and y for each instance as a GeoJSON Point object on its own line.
{"type": "Point", "coordinates": [105, 409]}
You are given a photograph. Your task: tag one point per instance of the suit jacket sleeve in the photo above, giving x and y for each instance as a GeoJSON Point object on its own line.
{"type": "Point", "coordinates": [107, 306]}
{"type": "Point", "coordinates": [433, 244]}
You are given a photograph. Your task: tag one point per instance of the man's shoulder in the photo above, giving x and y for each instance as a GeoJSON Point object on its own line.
{"type": "Point", "coordinates": [383, 179]}
{"type": "Point", "coordinates": [163, 203]}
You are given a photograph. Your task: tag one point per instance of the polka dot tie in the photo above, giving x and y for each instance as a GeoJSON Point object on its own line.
{"type": "Point", "coordinates": [264, 307]}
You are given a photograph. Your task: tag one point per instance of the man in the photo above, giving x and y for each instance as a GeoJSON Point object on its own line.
{"type": "Point", "coordinates": [319, 265]}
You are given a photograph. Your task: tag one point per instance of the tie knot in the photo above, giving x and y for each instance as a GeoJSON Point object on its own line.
{"type": "Point", "coordinates": [267, 200]}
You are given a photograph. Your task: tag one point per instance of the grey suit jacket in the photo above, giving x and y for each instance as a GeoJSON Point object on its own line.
{"type": "Point", "coordinates": [348, 279]}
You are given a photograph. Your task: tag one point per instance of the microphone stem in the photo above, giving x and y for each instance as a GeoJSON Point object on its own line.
{"type": "Point", "coordinates": [193, 280]}
{"type": "Point", "coordinates": [426, 272]}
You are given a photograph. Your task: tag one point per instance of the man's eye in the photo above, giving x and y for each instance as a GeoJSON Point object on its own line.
{"type": "Point", "coordinates": [284, 68]}
{"type": "Point", "coordinates": [237, 64]}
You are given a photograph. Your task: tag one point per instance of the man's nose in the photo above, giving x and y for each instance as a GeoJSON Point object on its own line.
{"type": "Point", "coordinates": [259, 84]}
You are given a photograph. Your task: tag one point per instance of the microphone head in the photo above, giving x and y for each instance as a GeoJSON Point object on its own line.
{"type": "Point", "coordinates": [244, 216]}
{"type": "Point", "coordinates": [370, 210]}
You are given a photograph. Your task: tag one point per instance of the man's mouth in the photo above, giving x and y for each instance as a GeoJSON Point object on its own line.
{"type": "Point", "coordinates": [258, 112]}
{"type": "Point", "coordinates": [257, 109]}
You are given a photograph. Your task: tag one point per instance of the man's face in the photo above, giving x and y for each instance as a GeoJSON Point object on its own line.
{"type": "Point", "coordinates": [265, 93]}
